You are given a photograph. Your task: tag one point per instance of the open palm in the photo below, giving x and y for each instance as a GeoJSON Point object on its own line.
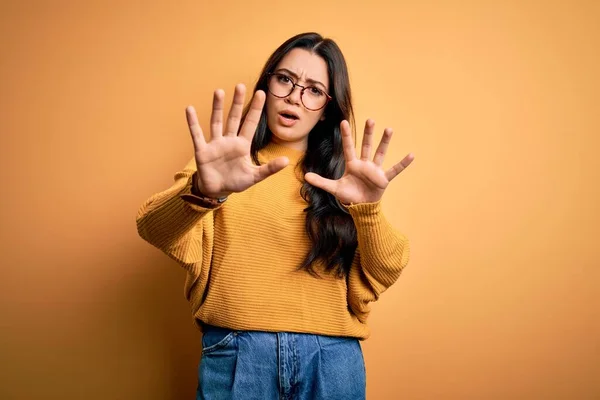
{"type": "Point", "coordinates": [364, 180]}
{"type": "Point", "coordinates": [223, 163]}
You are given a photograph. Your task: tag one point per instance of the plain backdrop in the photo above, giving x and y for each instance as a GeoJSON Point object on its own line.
{"type": "Point", "coordinates": [497, 99]}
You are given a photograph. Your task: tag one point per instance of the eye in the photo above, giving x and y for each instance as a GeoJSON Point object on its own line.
{"type": "Point", "coordinates": [283, 78]}
{"type": "Point", "coordinates": [315, 91]}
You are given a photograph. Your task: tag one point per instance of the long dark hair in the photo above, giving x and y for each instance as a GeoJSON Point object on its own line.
{"type": "Point", "coordinates": [328, 225]}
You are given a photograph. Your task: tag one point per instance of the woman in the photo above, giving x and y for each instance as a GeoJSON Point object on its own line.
{"type": "Point", "coordinates": [281, 271]}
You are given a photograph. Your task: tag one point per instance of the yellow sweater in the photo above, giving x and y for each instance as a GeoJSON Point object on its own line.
{"type": "Point", "coordinates": [241, 258]}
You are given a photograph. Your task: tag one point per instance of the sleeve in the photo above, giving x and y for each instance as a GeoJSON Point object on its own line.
{"type": "Point", "coordinates": [380, 258]}
{"type": "Point", "coordinates": [173, 223]}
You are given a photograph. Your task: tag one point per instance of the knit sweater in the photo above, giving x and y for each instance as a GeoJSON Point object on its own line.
{"type": "Point", "coordinates": [242, 257]}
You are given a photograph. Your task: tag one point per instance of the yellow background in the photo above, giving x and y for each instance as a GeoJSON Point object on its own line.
{"type": "Point", "coordinates": [498, 100]}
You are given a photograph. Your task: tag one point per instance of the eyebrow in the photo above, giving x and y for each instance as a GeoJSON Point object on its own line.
{"type": "Point", "coordinates": [308, 80]}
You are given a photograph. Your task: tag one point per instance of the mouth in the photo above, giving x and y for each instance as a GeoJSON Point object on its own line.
{"type": "Point", "coordinates": [289, 115]}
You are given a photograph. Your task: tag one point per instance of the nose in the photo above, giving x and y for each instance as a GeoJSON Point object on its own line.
{"type": "Point", "coordinates": [295, 96]}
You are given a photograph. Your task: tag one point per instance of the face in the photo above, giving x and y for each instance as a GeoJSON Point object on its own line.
{"type": "Point", "coordinates": [288, 119]}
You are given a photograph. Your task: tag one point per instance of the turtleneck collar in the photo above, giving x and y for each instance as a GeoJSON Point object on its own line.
{"type": "Point", "coordinates": [274, 150]}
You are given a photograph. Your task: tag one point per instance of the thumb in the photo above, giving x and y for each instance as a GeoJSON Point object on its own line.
{"type": "Point", "coordinates": [322, 183]}
{"type": "Point", "coordinates": [274, 166]}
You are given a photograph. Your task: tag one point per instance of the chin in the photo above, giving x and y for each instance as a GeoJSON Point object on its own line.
{"type": "Point", "coordinates": [291, 134]}
{"type": "Point", "coordinates": [288, 136]}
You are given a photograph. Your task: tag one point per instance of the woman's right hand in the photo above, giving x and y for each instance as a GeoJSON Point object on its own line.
{"type": "Point", "coordinates": [224, 163]}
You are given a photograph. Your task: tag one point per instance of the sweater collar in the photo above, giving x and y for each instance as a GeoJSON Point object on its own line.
{"type": "Point", "coordinates": [274, 150]}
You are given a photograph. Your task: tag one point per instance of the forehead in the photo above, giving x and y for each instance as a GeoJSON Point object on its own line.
{"type": "Point", "coordinates": [306, 65]}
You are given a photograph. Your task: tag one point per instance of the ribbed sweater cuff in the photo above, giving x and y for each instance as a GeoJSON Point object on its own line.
{"type": "Point", "coordinates": [365, 213]}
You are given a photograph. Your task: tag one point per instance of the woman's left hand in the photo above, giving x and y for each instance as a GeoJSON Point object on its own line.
{"type": "Point", "coordinates": [364, 181]}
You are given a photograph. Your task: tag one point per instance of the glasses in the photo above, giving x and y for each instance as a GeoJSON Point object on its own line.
{"type": "Point", "coordinates": [280, 85]}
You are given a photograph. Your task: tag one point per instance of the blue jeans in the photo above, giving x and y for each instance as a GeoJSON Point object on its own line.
{"type": "Point", "coordinates": [249, 365]}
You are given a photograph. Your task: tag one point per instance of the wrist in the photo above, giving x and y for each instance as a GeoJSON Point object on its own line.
{"type": "Point", "coordinates": [218, 199]}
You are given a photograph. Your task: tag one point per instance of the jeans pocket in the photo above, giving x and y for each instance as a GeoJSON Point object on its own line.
{"type": "Point", "coordinates": [215, 340]}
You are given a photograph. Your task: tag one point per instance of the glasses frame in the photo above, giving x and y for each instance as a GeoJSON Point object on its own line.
{"type": "Point", "coordinates": [294, 84]}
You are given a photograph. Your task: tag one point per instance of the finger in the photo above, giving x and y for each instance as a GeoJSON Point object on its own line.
{"type": "Point", "coordinates": [235, 113]}
{"type": "Point", "coordinates": [272, 167]}
{"type": "Point", "coordinates": [347, 142]}
{"type": "Point", "coordinates": [253, 116]}
{"type": "Point", "coordinates": [382, 148]}
{"type": "Point", "coordinates": [216, 117]}
{"type": "Point", "coordinates": [322, 183]}
{"type": "Point", "coordinates": [195, 130]}
{"type": "Point", "coordinates": [367, 142]}
{"type": "Point", "coordinates": [401, 166]}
